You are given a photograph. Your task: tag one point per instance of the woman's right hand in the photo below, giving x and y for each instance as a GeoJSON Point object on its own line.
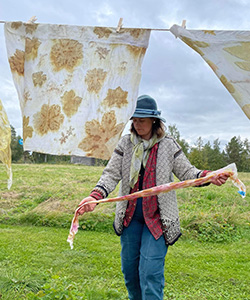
{"type": "Point", "coordinates": [88, 207]}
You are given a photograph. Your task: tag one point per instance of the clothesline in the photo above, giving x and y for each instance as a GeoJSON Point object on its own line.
{"type": "Point", "coordinates": [156, 29]}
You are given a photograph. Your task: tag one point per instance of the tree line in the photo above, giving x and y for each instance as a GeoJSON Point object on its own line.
{"type": "Point", "coordinates": [207, 156]}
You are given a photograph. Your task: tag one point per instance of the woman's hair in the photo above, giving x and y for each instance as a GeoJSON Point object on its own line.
{"type": "Point", "coordinates": [157, 127]}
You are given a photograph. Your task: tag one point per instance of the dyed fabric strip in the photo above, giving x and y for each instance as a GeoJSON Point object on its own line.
{"type": "Point", "coordinates": [77, 85]}
{"type": "Point", "coordinates": [5, 140]}
{"type": "Point", "coordinates": [227, 53]}
{"type": "Point", "coordinates": [231, 170]}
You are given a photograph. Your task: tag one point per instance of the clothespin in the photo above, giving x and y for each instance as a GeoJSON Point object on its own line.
{"type": "Point", "coordinates": [183, 24]}
{"type": "Point", "coordinates": [119, 26]}
{"type": "Point", "coordinates": [32, 19]}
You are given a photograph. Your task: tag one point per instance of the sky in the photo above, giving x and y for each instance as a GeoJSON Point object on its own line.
{"type": "Point", "coordinates": [187, 91]}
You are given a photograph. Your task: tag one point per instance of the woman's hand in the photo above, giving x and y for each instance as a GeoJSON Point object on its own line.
{"type": "Point", "coordinates": [220, 179]}
{"type": "Point", "coordinates": [88, 207]}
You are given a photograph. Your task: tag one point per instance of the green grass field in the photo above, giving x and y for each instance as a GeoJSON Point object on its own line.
{"type": "Point", "coordinates": [210, 261]}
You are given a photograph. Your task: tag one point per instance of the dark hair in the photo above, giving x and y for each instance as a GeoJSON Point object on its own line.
{"type": "Point", "coordinates": [157, 127]}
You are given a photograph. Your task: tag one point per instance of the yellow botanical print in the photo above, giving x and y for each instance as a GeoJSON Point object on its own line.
{"type": "Point", "coordinates": [70, 103]}
{"type": "Point", "coordinates": [48, 119]}
{"type": "Point", "coordinates": [122, 68]}
{"type": "Point", "coordinates": [246, 109]}
{"type": "Point", "coordinates": [26, 96]}
{"type": "Point", "coordinates": [30, 27]}
{"type": "Point", "coordinates": [196, 45]}
{"type": "Point", "coordinates": [64, 137]}
{"type": "Point", "coordinates": [102, 52]}
{"type": "Point", "coordinates": [241, 51]}
{"type": "Point", "coordinates": [209, 32]}
{"type": "Point", "coordinates": [17, 62]}
{"type": "Point", "coordinates": [66, 54]}
{"type": "Point", "coordinates": [243, 65]}
{"type": "Point", "coordinates": [116, 97]}
{"type": "Point", "coordinates": [95, 79]}
{"type": "Point", "coordinates": [227, 84]}
{"type": "Point", "coordinates": [135, 32]}
{"type": "Point", "coordinates": [16, 25]}
{"type": "Point", "coordinates": [212, 65]}
{"type": "Point", "coordinates": [27, 130]}
{"type": "Point", "coordinates": [102, 32]}
{"type": "Point", "coordinates": [31, 48]}
{"type": "Point", "coordinates": [98, 134]}
{"type": "Point", "coordinates": [39, 78]}
{"type": "Point", "coordinates": [136, 51]}
{"type": "Point", "coordinates": [5, 131]}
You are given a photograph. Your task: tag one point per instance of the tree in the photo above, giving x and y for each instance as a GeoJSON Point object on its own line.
{"type": "Point", "coordinates": [246, 156]}
{"type": "Point", "coordinates": [234, 150]}
{"type": "Point", "coordinates": [217, 159]}
{"type": "Point", "coordinates": [196, 156]}
{"type": "Point", "coordinates": [207, 155]}
{"type": "Point", "coordinates": [174, 132]}
{"type": "Point", "coordinates": [16, 148]}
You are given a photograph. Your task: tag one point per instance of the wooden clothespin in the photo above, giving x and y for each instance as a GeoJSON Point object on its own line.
{"type": "Point", "coordinates": [119, 26]}
{"type": "Point", "coordinates": [183, 24]}
{"type": "Point", "coordinates": [32, 19]}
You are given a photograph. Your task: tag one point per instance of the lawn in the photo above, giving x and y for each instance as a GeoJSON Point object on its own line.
{"type": "Point", "coordinates": [210, 261]}
{"type": "Point", "coordinates": [37, 263]}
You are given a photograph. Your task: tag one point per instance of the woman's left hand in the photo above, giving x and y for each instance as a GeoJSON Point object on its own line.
{"type": "Point", "coordinates": [220, 179]}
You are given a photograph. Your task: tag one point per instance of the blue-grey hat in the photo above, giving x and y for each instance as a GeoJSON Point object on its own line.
{"type": "Point", "coordinates": [146, 107]}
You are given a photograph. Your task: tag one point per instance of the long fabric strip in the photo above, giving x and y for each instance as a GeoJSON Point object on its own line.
{"type": "Point", "coordinates": [230, 170]}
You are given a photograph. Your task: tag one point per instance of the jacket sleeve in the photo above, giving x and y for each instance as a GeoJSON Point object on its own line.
{"type": "Point", "coordinates": [182, 167]}
{"type": "Point", "coordinates": [112, 173]}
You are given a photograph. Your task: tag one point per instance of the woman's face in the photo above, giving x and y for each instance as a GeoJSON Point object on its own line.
{"type": "Point", "coordinates": [143, 127]}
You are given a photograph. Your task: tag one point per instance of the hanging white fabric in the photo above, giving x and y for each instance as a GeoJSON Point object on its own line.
{"type": "Point", "coordinates": [77, 85]}
{"type": "Point", "coordinates": [5, 140]}
{"type": "Point", "coordinates": [228, 54]}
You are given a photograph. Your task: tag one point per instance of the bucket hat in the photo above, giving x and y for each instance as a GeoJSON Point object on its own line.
{"type": "Point", "coordinates": [146, 107]}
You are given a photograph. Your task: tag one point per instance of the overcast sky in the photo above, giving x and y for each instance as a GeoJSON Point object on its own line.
{"type": "Point", "coordinates": [188, 93]}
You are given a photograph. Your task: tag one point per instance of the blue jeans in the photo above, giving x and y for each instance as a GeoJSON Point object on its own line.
{"type": "Point", "coordinates": [142, 259]}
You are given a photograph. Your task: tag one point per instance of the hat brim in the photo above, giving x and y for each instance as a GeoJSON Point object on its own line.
{"type": "Point", "coordinates": [135, 115]}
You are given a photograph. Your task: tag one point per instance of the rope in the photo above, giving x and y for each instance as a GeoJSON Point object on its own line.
{"type": "Point", "coordinates": [156, 29]}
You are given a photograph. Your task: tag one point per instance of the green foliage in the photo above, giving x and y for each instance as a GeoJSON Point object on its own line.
{"type": "Point", "coordinates": [211, 158]}
{"type": "Point", "coordinates": [16, 148]}
{"type": "Point", "coordinates": [217, 231]}
{"type": "Point", "coordinates": [174, 132]}
{"type": "Point", "coordinates": [234, 151]}
{"type": "Point", "coordinates": [36, 157]}
{"type": "Point", "coordinates": [239, 152]}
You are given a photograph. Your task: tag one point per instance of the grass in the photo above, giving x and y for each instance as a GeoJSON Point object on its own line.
{"type": "Point", "coordinates": [210, 261]}
{"type": "Point", "coordinates": [36, 262]}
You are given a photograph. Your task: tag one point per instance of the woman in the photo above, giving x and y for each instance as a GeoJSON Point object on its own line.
{"type": "Point", "coordinates": [145, 158]}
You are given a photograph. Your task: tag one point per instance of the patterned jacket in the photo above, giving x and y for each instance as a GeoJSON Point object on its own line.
{"type": "Point", "coordinates": [170, 160]}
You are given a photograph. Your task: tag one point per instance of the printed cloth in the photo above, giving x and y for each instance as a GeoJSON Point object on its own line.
{"type": "Point", "coordinates": [5, 140]}
{"type": "Point", "coordinates": [77, 85]}
{"type": "Point", "coordinates": [227, 53]}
